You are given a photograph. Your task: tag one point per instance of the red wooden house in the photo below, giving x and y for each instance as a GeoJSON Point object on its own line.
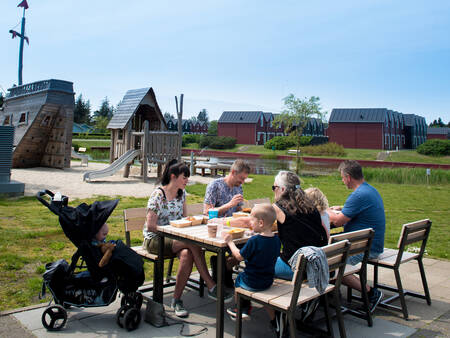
{"type": "Point", "coordinates": [248, 127]}
{"type": "Point", "coordinates": [439, 133]}
{"type": "Point", "coordinates": [375, 128]}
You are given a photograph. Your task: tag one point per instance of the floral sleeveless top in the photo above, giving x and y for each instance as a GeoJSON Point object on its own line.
{"type": "Point", "coordinates": [166, 210]}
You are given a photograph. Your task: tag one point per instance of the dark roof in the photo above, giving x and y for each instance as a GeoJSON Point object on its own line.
{"type": "Point", "coordinates": [438, 131]}
{"type": "Point", "coordinates": [268, 116]}
{"type": "Point", "coordinates": [129, 105]}
{"type": "Point", "coordinates": [359, 115]}
{"type": "Point", "coordinates": [240, 116]}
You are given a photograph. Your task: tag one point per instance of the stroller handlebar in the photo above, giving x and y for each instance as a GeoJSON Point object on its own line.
{"type": "Point", "coordinates": [54, 205]}
{"type": "Point", "coordinates": [40, 196]}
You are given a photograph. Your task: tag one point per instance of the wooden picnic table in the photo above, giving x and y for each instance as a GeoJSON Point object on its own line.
{"type": "Point", "coordinates": [213, 167]}
{"type": "Point", "coordinates": [198, 235]}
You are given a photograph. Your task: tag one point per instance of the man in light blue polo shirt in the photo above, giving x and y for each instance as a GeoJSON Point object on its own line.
{"type": "Point", "coordinates": [363, 209]}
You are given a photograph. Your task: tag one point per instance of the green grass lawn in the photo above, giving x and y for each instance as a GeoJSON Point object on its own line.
{"type": "Point", "coordinates": [30, 235]}
{"type": "Point", "coordinates": [354, 154]}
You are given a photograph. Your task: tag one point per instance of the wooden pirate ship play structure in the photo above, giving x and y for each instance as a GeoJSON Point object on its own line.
{"type": "Point", "coordinates": [42, 116]}
{"type": "Point", "coordinates": [139, 132]}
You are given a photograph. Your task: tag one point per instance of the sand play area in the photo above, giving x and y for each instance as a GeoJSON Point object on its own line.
{"type": "Point", "coordinates": [70, 181]}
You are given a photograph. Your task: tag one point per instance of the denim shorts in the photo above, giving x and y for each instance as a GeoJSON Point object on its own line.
{"type": "Point", "coordinates": [356, 259]}
{"type": "Point", "coordinates": [283, 270]}
{"type": "Point", "coordinates": [239, 283]}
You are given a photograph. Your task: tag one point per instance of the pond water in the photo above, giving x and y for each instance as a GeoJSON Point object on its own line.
{"type": "Point", "coordinates": [264, 166]}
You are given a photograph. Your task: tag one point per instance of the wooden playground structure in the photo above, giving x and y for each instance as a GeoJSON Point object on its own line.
{"type": "Point", "coordinates": [139, 132]}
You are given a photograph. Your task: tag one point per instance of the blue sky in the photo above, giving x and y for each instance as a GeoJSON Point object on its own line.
{"type": "Point", "coordinates": [239, 55]}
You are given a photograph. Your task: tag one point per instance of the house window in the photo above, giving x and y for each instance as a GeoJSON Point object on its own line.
{"type": "Point", "coordinates": [262, 121]}
{"type": "Point", "coordinates": [393, 140]}
{"type": "Point", "coordinates": [386, 139]}
{"type": "Point", "coordinates": [7, 121]}
{"type": "Point", "coordinates": [120, 134]}
{"type": "Point", "coordinates": [23, 118]}
{"type": "Point", "coordinates": [403, 139]}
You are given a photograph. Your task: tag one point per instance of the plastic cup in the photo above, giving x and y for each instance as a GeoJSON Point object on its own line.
{"type": "Point", "coordinates": [213, 213]}
{"type": "Point", "coordinates": [212, 230]}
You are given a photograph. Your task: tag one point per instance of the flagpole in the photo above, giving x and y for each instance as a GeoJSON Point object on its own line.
{"type": "Point", "coordinates": [22, 31]}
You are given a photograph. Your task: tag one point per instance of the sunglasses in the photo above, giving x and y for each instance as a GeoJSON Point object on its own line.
{"type": "Point", "coordinates": [274, 187]}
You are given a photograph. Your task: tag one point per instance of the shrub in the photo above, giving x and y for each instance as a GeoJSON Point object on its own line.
{"type": "Point", "coordinates": [316, 140]}
{"type": "Point", "coordinates": [280, 143]}
{"type": "Point", "coordinates": [217, 142]}
{"type": "Point", "coordinates": [434, 147]}
{"type": "Point", "coordinates": [328, 149]}
{"type": "Point", "coordinates": [105, 136]}
{"type": "Point", "coordinates": [191, 138]}
{"type": "Point", "coordinates": [305, 141]}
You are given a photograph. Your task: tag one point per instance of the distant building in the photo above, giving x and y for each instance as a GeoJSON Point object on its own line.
{"type": "Point", "coordinates": [375, 128]}
{"type": "Point", "coordinates": [247, 127]}
{"type": "Point", "coordinates": [188, 126]}
{"type": "Point", "coordinates": [257, 127]}
{"type": "Point", "coordinates": [82, 128]}
{"type": "Point", "coordinates": [439, 133]}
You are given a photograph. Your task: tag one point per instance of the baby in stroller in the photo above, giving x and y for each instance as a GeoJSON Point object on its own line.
{"type": "Point", "coordinates": [105, 268]}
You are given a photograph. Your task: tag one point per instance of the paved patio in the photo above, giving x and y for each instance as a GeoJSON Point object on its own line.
{"type": "Point", "coordinates": [425, 321]}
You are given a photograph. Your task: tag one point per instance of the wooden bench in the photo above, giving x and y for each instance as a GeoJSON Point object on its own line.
{"type": "Point", "coordinates": [213, 167]}
{"type": "Point", "coordinates": [286, 296]}
{"type": "Point", "coordinates": [134, 219]}
{"type": "Point", "coordinates": [360, 243]}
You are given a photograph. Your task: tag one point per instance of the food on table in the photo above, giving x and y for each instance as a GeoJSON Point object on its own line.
{"type": "Point", "coordinates": [248, 210]}
{"type": "Point", "coordinates": [236, 233]}
{"type": "Point", "coordinates": [196, 220]}
{"type": "Point", "coordinates": [181, 223]}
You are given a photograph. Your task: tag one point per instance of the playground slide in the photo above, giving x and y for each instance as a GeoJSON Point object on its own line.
{"type": "Point", "coordinates": [114, 167]}
{"type": "Point", "coordinates": [83, 158]}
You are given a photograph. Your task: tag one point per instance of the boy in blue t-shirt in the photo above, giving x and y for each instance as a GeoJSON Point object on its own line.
{"type": "Point", "coordinates": [260, 254]}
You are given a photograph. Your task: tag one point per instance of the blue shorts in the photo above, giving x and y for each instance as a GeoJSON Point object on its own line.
{"type": "Point", "coordinates": [356, 259]}
{"type": "Point", "coordinates": [283, 270]}
{"type": "Point", "coordinates": [239, 283]}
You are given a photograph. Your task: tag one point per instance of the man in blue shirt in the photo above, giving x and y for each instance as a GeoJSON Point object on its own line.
{"type": "Point", "coordinates": [363, 209]}
{"type": "Point", "coordinates": [226, 193]}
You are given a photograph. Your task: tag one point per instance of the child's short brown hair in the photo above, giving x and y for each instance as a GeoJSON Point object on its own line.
{"type": "Point", "coordinates": [266, 213]}
{"type": "Point", "coordinates": [319, 200]}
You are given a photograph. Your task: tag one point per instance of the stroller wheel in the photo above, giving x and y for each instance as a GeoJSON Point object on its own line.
{"type": "Point", "coordinates": [54, 318]}
{"type": "Point", "coordinates": [132, 299]}
{"type": "Point", "coordinates": [132, 319]}
{"type": "Point", "coordinates": [120, 314]}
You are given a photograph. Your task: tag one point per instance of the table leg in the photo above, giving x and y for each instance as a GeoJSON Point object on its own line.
{"type": "Point", "coordinates": [158, 276]}
{"type": "Point", "coordinates": [220, 293]}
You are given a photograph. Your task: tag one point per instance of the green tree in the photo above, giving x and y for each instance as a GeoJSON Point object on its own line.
{"type": "Point", "coordinates": [82, 111]}
{"type": "Point", "coordinates": [168, 116]}
{"type": "Point", "coordinates": [1, 99]}
{"type": "Point", "coordinates": [106, 110]}
{"type": "Point", "coordinates": [101, 122]}
{"type": "Point", "coordinates": [203, 116]}
{"type": "Point", "coordinates": [437, 123]}
{"type": "Point", "coordinates": [212, 129]}
{"type": "Point", "coordinates": [295, 116]}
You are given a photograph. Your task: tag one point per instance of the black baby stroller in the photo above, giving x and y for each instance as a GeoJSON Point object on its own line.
{"type": "Point", "coordinates": [74, 285]}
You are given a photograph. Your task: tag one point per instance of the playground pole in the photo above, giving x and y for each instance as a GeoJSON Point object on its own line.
{"type": "Point", "coordinates": [22, 37]}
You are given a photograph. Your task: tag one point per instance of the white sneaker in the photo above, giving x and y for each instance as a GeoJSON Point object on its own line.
{"type": "Point", "coordinates": [177, 306]}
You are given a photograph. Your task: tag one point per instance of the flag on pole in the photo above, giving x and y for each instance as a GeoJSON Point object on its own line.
{"type": "Point", "coordinates": [23, 4]}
